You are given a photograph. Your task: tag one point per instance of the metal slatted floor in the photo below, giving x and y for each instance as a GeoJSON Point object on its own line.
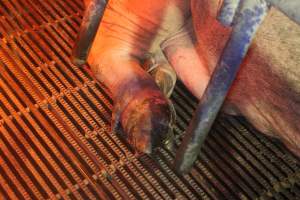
{"type": "Point", "coordinates": [55, 139]}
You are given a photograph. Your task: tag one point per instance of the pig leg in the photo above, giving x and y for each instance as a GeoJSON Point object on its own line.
{"type": "Point", "coordinates": [187, 57]}
{"type": "Point", "coordinates": [180, 51]}
{"type": "Point", "coordinates": [141, 113]}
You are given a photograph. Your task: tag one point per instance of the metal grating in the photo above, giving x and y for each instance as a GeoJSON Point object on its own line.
{"type": "Point", "coordinates": [55, 139]}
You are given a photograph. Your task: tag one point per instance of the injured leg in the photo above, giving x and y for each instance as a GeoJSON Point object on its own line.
{"type": "Point", "coordinates": [142, 114]}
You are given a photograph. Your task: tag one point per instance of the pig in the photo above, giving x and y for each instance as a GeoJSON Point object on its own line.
{"type": "Point", "coordinates": [187, 35]}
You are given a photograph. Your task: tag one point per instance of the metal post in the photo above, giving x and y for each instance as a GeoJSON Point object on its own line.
{"type": "Point", "coordinates": [227, 12]}
{"type": "Point", "coordinates": [248, 18]}
{"type": "Point", "coordinates": [88, 29]}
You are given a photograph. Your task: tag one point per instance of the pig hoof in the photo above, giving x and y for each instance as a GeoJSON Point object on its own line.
{"type": "Point", "coordinates": [163, 74]}
{"type": "Point", "coordinates": [145, 120]}
{"type": "Point", "coordinates": [165, 78]}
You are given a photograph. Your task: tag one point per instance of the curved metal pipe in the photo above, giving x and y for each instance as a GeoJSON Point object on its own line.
{"type": "Point", "coordinates": [249, 16]}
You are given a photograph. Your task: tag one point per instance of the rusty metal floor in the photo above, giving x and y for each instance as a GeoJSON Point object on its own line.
{"type": "Point", "coordinates": [55, 141]}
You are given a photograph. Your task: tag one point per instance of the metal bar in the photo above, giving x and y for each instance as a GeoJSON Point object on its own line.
{"type": "Point", "coordinates": [88, 29]}
{"type": "Point", "coordinates": [249, 16]}
{"type": "Point", "coordinates": [233, 164]}
{"type": "Point", "coordinates": [227, 12]}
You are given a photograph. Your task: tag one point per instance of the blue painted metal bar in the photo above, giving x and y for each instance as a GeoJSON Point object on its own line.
{"type": "Point", "coordinates": [248, 18]}
{"type": "Point", "coordinates": [227, 12]}
{"type": "Point", "coordinates": [88, 29]}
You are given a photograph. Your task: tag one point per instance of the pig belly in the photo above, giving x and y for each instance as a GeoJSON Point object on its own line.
{"type": "Point", "coordinates": [267, 88]}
